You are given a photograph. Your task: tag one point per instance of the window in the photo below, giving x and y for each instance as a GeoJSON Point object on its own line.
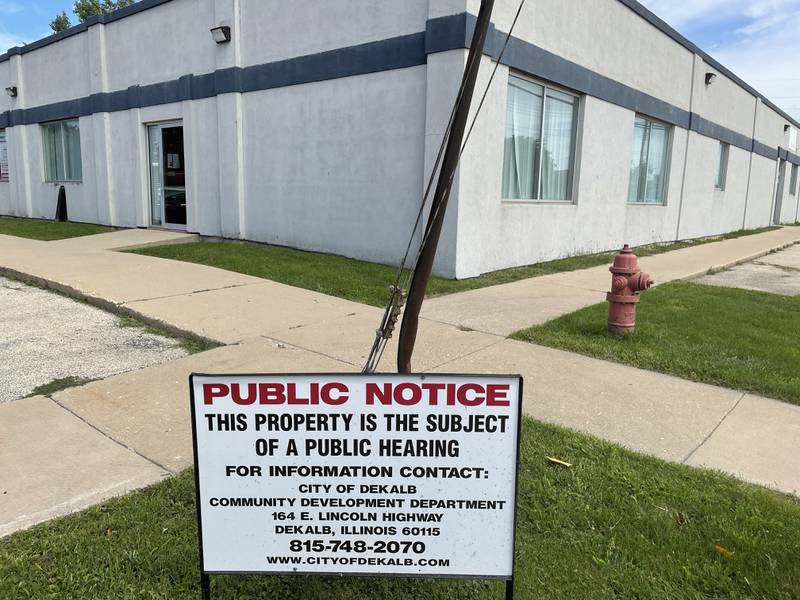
{"type": "Point", "coordinates": [722, 166]}
{"type": "Point", "coordinates": [61, 142]}
{"type": "Point", "coordinates": [793, 180]}
{"type": "Point", "coordinates": [649, 162]}
{"type": "Point", "coordinates": [539, 160]}
{"type": "Point", "coordinates": [3, 156]}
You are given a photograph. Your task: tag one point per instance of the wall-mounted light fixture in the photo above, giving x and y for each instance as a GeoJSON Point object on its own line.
{"type": "Point", "coordinates": [786, 128]}
{"type": "Point", "coordinates": [710, 77]}
{"type": "Point", "coordinates": [221, 34]}
{"type": "Point", "coordinates": [12, 91]}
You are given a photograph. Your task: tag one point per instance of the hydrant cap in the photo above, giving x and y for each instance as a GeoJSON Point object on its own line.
{"type": "Point", "coordinates": [625, 261]}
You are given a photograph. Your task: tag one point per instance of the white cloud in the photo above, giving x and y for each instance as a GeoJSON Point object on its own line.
{"type": "Point", "coordinates": [762, 48]}
{"type": "Point", "coordinates": [8, 40]}
{"type": "Point", "coordinates": [10, 8]}
{"type": "Point", "coordinates": [23, 10]}
{"type": "Point", "coordinates": [686, 13]}
{"type": "Point", "coordinates": [769, 62]}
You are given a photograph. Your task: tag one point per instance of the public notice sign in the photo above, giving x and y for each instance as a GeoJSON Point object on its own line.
{"type": "Point", "coordinates": [357, 474]}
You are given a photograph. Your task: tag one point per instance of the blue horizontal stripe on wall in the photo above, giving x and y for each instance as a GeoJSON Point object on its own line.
{"type": "Point", "coordinates": [634, 5]}
{"type": "Point", "coordinates": [734, 138]}
{"type": "Point", "coordinates": [709, 129]}
{"type": "Point", "coordinates": [385, 55]}
{"type": "Point", "coordinates": [441, 34]}
{"type": "Point", "coordinates": [453, 32]}
{"type": "Point", "coordinates": [396, 53]}
{"type": "Point", "coordinates": [764, 150]}
{"type": "Point", "coordinates": [526, 57]}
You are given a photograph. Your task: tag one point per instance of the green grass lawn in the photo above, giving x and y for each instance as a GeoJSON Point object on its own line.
{"type": "Point", "coordinates": [614, 525]}
{"type": "Point", "coordinates": [40, 229]}
{"type": "Point", "coordinates": [368, 282]}
{"type": "Point", "coordinates": [735, 338]}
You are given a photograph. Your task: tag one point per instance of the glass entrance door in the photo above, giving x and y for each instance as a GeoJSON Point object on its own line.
{"type": "Point", "coordinates": [776, 215]}
{"type": "Point", "coordinates": [167, 175]}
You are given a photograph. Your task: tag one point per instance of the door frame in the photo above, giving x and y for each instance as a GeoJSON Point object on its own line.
{"type": "Point", "coordinates": [160, 126]}
{"type": "Point", "coordinates": [778, 209]}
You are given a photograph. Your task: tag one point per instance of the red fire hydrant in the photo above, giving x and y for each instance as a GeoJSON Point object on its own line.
{"type": "Point", "coordinates": [627, 281]}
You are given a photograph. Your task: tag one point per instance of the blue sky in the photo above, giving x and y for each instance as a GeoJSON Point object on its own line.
{"type": "Point", "coordinates": [28, 20]}
{"type": "Point", "coordinates": [759, 40]}
{"type": "Point", "coordinates": [756, 39]}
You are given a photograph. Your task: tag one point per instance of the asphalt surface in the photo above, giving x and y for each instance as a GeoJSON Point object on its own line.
{"type": "Point", "coordinates": [45, 336]}
{"type": "Point", "coordinates": [776, 273]}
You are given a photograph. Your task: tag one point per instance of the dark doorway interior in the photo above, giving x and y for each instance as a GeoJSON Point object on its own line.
{"type": "Point", "coordinates": [174, 176]}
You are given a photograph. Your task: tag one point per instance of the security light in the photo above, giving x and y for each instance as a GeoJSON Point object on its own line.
{"type": "Point", "coordinates": [710, 77]}
{"type": "Point", "coordinates": [221, 34]}
{"type": "Point", "coordinates": [12, 91]}
{"type": "Point", "coordinates": [786, 128]}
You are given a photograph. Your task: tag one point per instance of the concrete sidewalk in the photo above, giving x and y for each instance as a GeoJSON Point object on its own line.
{"type": "Point", "coordinates": [133, 429]}
{"type": "Point", "coordinates": [504, 309]}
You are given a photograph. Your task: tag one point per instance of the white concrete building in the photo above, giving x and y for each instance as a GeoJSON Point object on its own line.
{"type": "Point", "coordinates": [316, 124]}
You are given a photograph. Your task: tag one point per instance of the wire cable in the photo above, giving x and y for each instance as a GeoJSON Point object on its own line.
{"type": "Point", "coordinates": [397, 290]}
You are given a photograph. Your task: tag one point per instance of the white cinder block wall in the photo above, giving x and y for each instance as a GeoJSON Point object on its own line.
{"type": "Point", "coordinates": [616, 43]}
{"type": "Point", "coordinates": [296, 133]}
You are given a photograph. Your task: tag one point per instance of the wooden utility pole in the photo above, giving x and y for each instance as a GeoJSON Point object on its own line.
{"type": "Point", "coordinates": [433, 229]}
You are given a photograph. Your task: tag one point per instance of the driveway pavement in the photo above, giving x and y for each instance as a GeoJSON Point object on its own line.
{"type": "Point", "coordinates": [45, 336]}
{"type": "Point", "coordinates": [776, 273]}
{"type": "Point", "coordinates": [278, 328]}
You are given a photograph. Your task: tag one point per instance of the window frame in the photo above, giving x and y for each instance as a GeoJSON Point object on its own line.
{"type": "Point", "coordinates": [574, 139]}
{"type": "Point", "coordinates": [62, 139]}
{"type": "Point", "coordinates": [4, 151]}
{"type": "Point", "coordinates": [794, 175]}
{"type": "Point", "coordinates": [721, 179]}
{"type": "Point", "coordinates": [670, 129]}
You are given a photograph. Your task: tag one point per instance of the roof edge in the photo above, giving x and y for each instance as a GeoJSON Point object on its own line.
{"type": "Point", "coordinates": [102, 18]}
{"type": "Point", "coordinates": [634, 5]}
{"type": "Point", "coordinates": [667, 29]}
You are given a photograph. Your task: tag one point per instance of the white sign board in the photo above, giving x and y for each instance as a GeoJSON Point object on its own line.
{"type": "Point", "coordinates": [357, 474]}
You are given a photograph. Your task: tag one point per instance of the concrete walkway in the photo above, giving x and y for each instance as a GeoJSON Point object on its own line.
{"type": "Point", "coordinates": [504, 309]}
{"type": "Point", "coordinates": [89, 443]}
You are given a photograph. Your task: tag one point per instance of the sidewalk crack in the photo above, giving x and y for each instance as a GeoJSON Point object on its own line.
{"type": "Point", "coordinates": [192, 293]}
{"type": "Point", "coordinates": [289, 344]}
{"type": "Point", "coordinates": [785, 268]}
{"type": "Point", "coordinates": [457, 358]}
{"type": "Point", "coordinates": [105, 435]}
{"type": "Point", "coordinates": [460, 325]}
{"type": "Point", "coordinates": [716, 427]}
